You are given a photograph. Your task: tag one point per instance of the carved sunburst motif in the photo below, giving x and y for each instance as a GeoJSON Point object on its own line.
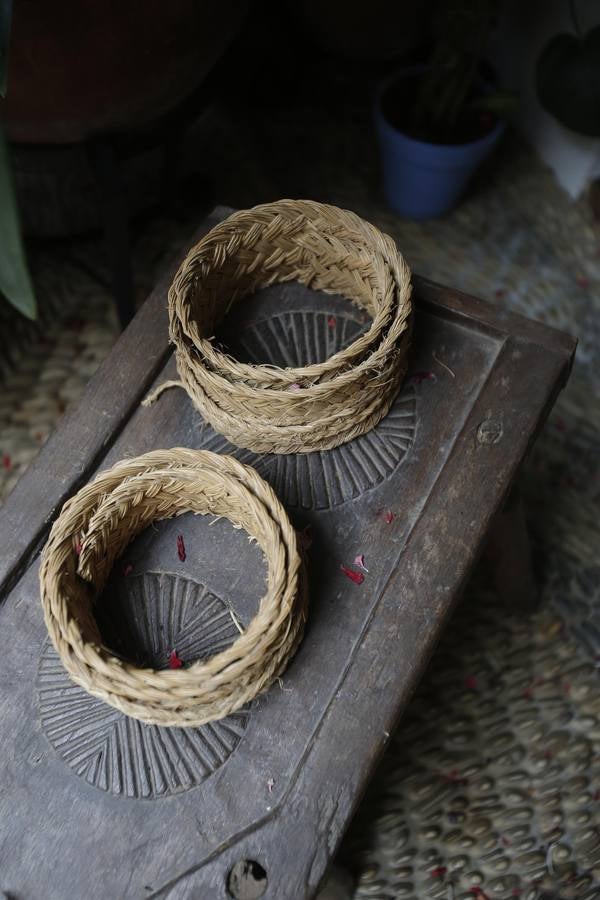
{"type": "Point", "coordinates": [323, 479]}
{"type": "Point", "coordinates": [114, 752]}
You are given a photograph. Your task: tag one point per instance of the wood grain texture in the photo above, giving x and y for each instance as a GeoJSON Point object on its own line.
{"type": "Point", "coordinates": [482, 383]}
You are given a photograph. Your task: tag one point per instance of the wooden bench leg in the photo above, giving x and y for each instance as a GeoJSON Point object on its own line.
{"type": "Point", "coordinates": [337, 885]}
{"type": "Point", "coordinates": [508, 552]}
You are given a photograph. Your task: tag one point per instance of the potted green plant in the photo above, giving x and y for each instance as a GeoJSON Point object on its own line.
{"type": "Point", "coordinates": [438, 120]}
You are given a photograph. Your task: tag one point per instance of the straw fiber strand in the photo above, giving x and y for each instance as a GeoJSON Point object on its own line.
{"type": "Point", "coordinates": [94, 528]}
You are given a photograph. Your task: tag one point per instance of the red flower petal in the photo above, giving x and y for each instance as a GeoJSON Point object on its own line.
{"type": "Point", "coordinates": [127, 570]}
{"type": "Point", "coordinates": [418, 377]}
{"type": "Point", "coordinates": [454, 777]}
{"type": "Point", "coordinates": [389, 516]}
{"type": "Point", "coordinates": [438, 872]}
{"type": "Point", "coordinates": [331, 321]}
{"type": "Point", "coordinates": [174, 661]}
{"type": "Point", "coordinates": [356, 577]}
{"type": "Point", "coordinates": [305, 537]}
{"type": "Point", "coordinates": [181, 548]}
{"type": "Point", "coordinates": [471, 682]}
{"type": "Point", "coordinates": [6, 461]}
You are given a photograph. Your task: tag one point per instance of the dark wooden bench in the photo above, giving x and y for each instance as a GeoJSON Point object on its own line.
{"type": "Point", "coordinates": [95, 805]}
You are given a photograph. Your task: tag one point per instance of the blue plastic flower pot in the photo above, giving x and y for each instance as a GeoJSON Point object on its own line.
{"type": "Point", "coordinates": [422, 180]}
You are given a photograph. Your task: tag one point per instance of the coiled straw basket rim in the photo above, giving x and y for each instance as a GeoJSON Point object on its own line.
{"type": "Point", "coordinates": [93, 529]}
{"type": "Point", "coordinates": [265, 408]}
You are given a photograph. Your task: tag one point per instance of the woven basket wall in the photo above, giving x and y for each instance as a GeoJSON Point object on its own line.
{"type": "Point", "coordinates": [291, 410]}
{"type": "Point", "coordinates": [93, 529]}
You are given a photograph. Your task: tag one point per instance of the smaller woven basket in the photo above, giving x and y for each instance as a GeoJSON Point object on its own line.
{"type": "Point", "coordinates": [289, 410]}
{"type": "Point", "coordinates": [93, 529]}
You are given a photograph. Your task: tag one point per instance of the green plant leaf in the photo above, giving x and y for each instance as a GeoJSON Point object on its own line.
{"type": "Point", "coordinates": [5, 21]}
{"type": "Point", "coordinates": [15, 281]}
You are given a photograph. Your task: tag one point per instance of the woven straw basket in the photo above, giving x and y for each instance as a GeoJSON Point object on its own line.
{"type": "Point", "coordinates": [270, 409]}
{"type": "Point", "coordinates": [93, 529]}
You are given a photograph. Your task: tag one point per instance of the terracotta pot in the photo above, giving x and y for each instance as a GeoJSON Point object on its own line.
{"type": "Point", "coordinates": [82, 67]}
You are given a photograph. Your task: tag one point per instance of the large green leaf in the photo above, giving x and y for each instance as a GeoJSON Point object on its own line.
{"type": "Point", "coordinates": [568, 81]}
{"type": "Point", "coordinates": [5, 20]}
{"type": "Point", "coordinates": [15, 282]}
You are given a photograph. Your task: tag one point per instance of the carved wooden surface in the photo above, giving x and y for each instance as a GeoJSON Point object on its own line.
{"type": "Point", "coordinates": [93, 799]}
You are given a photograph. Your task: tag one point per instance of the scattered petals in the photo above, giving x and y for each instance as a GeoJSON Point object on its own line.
{"type": "Point", "coordinates": [528, 693]}
{"type": "Point", "coordinates": [174, 661]}
{"type": "Point", "coordinates": [75, 324]}
{"type": "Point", "coordinates": [568, 482]}
{"type": "Point", "coordinates": [471, 682]}
{"type": "Point", "coordinates": [360, 562]}
{"type": "Point", "coordinates": [6, 461]}
{"type": "Point", "coordinates": [454, 777]}
{"type": "Point", "coordinates": [438, 872]}
{"type": "Point", "coordinates": [305, 537]}
{"type": "Point", "coordinates": [270, 785]}
{"type": "Point", "coordinates": [356, 577]}
{"type": "Point", "coordinates": [331, 321]}
{"type": "Point", "coordinates": [295, 387]}
{"type": "Point", "coordinates": [77, 548]}
{"type": "Point", "coordinates": [500, 292]}
{"type": "Point", "coordinates": [181, 548]}
{"type": "Point", "coordinates": [127, 570]}
{"type": "Point", "coordinates": [388, 516]}
{"type": "Point", "coordinates": [419, 377]}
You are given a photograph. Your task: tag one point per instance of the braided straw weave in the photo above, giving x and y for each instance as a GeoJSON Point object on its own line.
{"type": "Point", "coordinates": [289, 410]}
{"type": "Point", "coordinates": [93, 529]}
